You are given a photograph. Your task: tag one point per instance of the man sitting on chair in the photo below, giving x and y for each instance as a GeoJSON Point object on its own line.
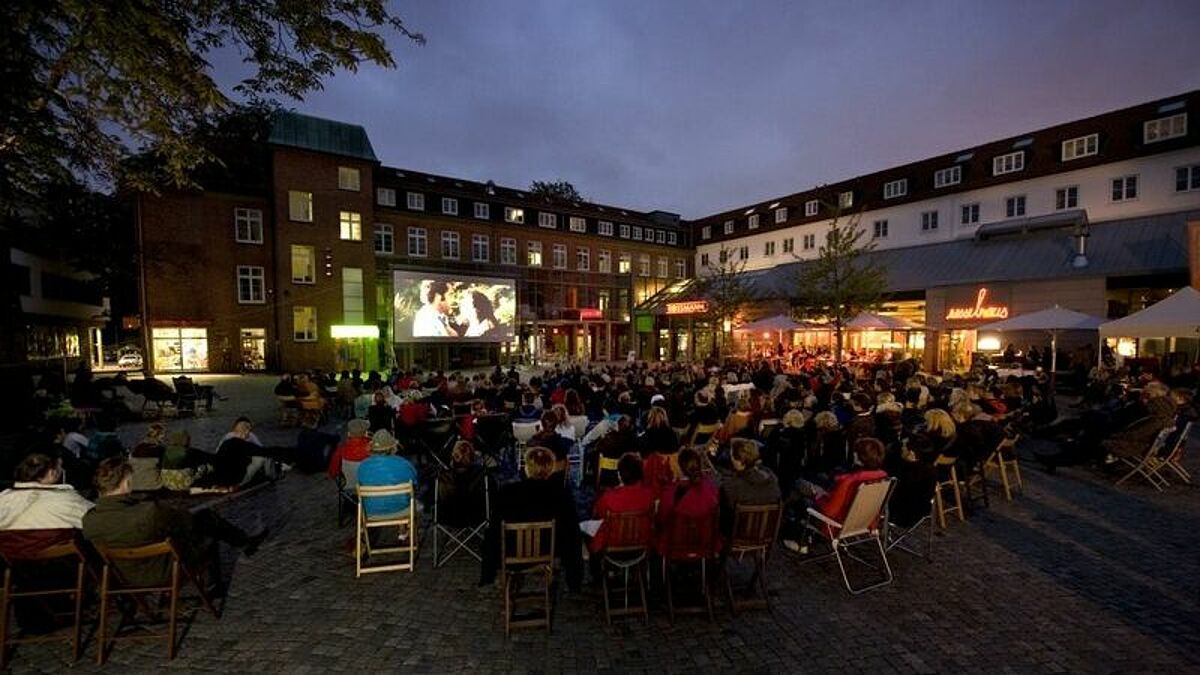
{"type": "Point", "coordinates": [385, 468]}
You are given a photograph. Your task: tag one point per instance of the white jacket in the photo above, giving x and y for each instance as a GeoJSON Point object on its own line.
{"type": "Point", "coordinates": [33, 506]}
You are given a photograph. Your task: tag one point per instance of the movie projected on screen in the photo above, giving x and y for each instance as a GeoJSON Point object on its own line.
{"type": "Point", "coordinates": [433, 308]}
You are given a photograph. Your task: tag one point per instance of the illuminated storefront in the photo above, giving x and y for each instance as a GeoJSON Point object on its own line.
{"type": "Point", "coordinates": [180, 349]}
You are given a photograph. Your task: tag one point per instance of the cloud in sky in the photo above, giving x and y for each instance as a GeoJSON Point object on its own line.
{"type": "Point", "coordinates": [698, 106]}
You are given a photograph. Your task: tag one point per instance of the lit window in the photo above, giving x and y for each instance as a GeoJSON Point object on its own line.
{"type": "Point", "coordinates": [1009, 163]}
{"type": "Point", "coordinates": [929, 221]}
{"type": "Point", "coordinates": [352, 296]}
{"type": "Point", "coordinates": [251, 285]}
{"type": "Point", "coordinates": [418, 242]}
{"type": "Point", "coordinates": [304, 264]}
{"type": "Point", "coordinates": [514, 215]}
{"type": "Point", "coordinates": [577, 224]}
{"type": "Point", "coordinates": [385, 196]}
{"type": "Point", "coordinates": [812, 207]}
{"type": "Point", "coordinates": [1165, 128]}
{"type": "Point", "coordinates": [508, 251]}
{"type": "Point", "coordinates": [752, 222]}
{"type": "Point", "coordinates": [300, 206]}
{"type": "Point", "coordinates": [350, 225]}
{"type": "Point", "coordinates": [664, 268]}
{"type": "Point", "coordinates": [1066, 198]}
{"type": "Point", "coordinates": [881, 229]}
{"type": "Point", "coordinates": [706, 232]}
{"type": "Point", "coordinates": [304, 324]}
{"type": "Point", "coordinates": [644, 265]}
{"type": "Point", "coordinates": [1084, 146]}
{"type": "Point", "coordinates": [450, 245]}
{"type": "Point", "coordinates": [604, 227]}
{"type": "Point", "coordinates": [970, 214]}
{"type": "Point", "coordinates": [483, 211]}
{"type": "Point", "coordinates": [348, 178]}
{"type": "Point", "coordinates": [1014, 207]}
{"type": "Point", "coordinates": [560, 256]}
{"type": "Point", "coordinates": [1187, 178]}
{"type": "Point", "coordinates": [729, 227]}
{"type": "Point", "coordinates": [680, 268]}
{"type": "Point", "coordinates": [946, 177]}
{"type": "Point", "coordinates": [623, 231]}
{"type": "Point", "coordinates": [450, 206]}
{"type": "Point", "coordinates": [547, 220]}
{"type": "Point", "coordinates": [789, 245]}
{"type": "Point", "coordinates": [534, 250]}
{"type": "Point", "coordinates": [781, 215]}
{"type": "Point", "coordinates": [1124, 188]}
{"type": "Point", "coordinates": [384, 242]}
{"type": "Point", "coordinates": [583, 259]}
{"type": "Point", "coordinates": [247, 226]}
{"type": "Point", "coordinates": [604, 262]}
{"type": "Point", "coordinates": [896, 188]}
{"type": "Point", "coordinates": [769, 248]}
{"type": "Point", "coordinates": [846, 200]}
{"type": "Point", "coordinates": [624, 263]}
{"type": "Point", "coordinates": [481, 248]}
{"type": "Point", "coordinates": [416, 201]}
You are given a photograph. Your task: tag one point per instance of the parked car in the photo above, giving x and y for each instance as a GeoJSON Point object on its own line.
{"type": "Point", "coordinates": [130, 360]}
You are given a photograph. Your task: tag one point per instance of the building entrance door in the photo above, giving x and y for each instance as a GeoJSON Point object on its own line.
{"type": "Point", "coordinates": [254, 348]}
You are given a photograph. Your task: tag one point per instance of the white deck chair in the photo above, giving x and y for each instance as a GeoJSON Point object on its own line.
{"type": "Point", "coordinates": [1148, 464]}
{"type": "Point", "coordinates": [863, 525]}
{"type": "Point", "coordinates": [580, 422]}
{"type": "Point", "coordinates": [523, 432]}
{"type": "Point", "coordinates": [1174, 460]}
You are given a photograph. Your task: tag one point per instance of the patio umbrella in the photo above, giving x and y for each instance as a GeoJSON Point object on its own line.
{"type": "Point", "coordinates": [1177, 315]}
{"type": "Point", "coordinates": [773, 324]}
{"type": "Point", "coordinates": [1053, 320]}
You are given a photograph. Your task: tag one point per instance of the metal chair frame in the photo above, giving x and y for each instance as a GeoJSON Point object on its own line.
{"type": "Point", "coordinates": [896, 536]}
{"type": "Point", "coordinates": [862, 526]}
{"type": "Point", "coordinates": [460, 537]}
{"type": "Point", "coordinates": [1149, 463]}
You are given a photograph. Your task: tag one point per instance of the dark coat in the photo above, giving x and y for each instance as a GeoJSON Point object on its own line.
{"type": "Point", "coordinates": [128, 521]}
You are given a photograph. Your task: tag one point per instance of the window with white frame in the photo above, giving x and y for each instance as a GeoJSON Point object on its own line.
{"type": "Point", "coordinates": [251, 285]}
{"type": "Point", "coordinates": [624, 263]}
{"type": "Point", "coordinates": [1014, 207]}
{"type": "Point", "coordinates": [970, 214]}
{"type": "Point", "coordinates": [384, 240]}
{"type": "Point", "coordinates": [583, 259]}
{"type": "Point", "coordinates": [533, 251]}
{"type": "Point", "coordinates": [752, 222]}
{"type": "Point", "coordinates": [680, 268]}
{"type": "Point", "coordinates": [948, 176]}
{"type": "Point", "coordinates": [559, 253]}
{"type": "Point", "coordinates": [577, 224]}
{"type": "Point", "coordinates": [1124, 188]}
{"type": "Point", "coordinates": [304, 324]}
{"type": "Point", "coordinates": [350, 225]}
{"type": "Point", "coordinates": [1187, 178]}
{"type": "Point", "coordinates": [644, 265]}
{"type": "Point", "coordinates": [895, 188]}
{"type": "Point", "coordinates": [385, 196]}
{"type": "Point", "coordinates": [881, 229]}
{"type": "Point", "coordinates": [1165, 128]}
{"type": "Point", "coordinates": [704, 260]}
{"type": "Point", "coordinates": [450, 206]}
{"type": "Point", "coordinates": [508, 251]}
{"type": "Point", "coordinates": [929, 221]}
{"type": "Point", "coordinates": [348, 179]}
{"type": "Point", "coordinates": [769, 248]}
{"type": "Point", "coordinates": [247, 226]}
{"type": "Point", "coordinates": [637, 233]}
{"type": "Point", "coordinates": [781, 215]}
{"type": "Point", "coordinates": [450, 245]}
{"type": "Point", "coordinates": [1066, 198]}
{"type": "Point", "coordinates": [663, 268]}
{"type": "Point", "coordinates": [789, 245]}
{"type": "Point", "coordinates": [300, 206]}
{"type": "Point", "coordinates": [418, 242]}
{"type": "Point", "coordinates": [1008, 163]}
{"type": "Point", "coordinates": [660, 237]}
{"type": "Point", "coordinates": [483, 211]}
{"type": "Point", "coordinates": [812, 207]}
{"type": "Point", "coordinates": [810, 242]}
{"type": "Point", "coordinates": [743, 253]}
{"type": "Point", "coordinates": [846, 199]}
{"type": "Point", "coordinates": [1083, 146]}
{"type": "Point", "coordinates": [416, 201]}
{"type": "Point", "coordinates": [623, 231]}
{"type": "Point", "coordinates": [729, 227]}
{"type": "Point", "coordinates": [481, 248]}
{"type": "Point", "coordinates": [604, 228]}
{"type": "Point", "coordinates": [547, 220]}
{"type": "Point", "coordinates": [706, 232]}
{"type": "Point", "coordinates": [352, 296]}
{"type": "Point", "coordinates": [723, 255]}
{"type": "Point", "coordinates": [514, 215]}
{"type": "Point", "coordinates": [304, 264]}
{"type": "Point", "coordinates": [604, 261]}
{"type": "Point", "coordinates": [672, 238]}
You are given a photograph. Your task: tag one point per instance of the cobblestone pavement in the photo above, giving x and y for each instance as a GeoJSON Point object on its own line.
{"type": "Point", "coordinates": [1073, 576]}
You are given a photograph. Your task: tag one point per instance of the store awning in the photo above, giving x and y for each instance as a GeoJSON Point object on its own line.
{"type": "Point", "coordinates": [872, 321]}
{"type": "Point", "coordinates": [1052, 319]}
{"type": "Point", "coordinates": [1178, 315]}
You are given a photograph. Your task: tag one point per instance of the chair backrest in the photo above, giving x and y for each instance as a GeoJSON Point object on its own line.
{"type": "Point", "coordinates": [628, 531]}
{"type": "Point", "coordinates": [755, 525]}
{"type": "Point", "coordinates": [461, 499]}
{"type": "Point", "coordinates": [524, 431]}
{"type": "Point", "coordinates": [350, 471]}
{"type": "Point", "coordinates": [1160, 441]}
{"type": "Point", "coordinates": [39, 545]}
{"type": "Point", "coordinates": [704, 432]}
{"type": "Point", "coordinates": [580, 422]}
{"type": "Point", "coordinates": [184, 385]}
{"type": "Point", "coordinates": [869, 502]}
{"type": "Point", "coordinates": [527, 543]}
{"type": "Point", "coordinates": [691, 537]}
{"type": "Point", "coordinates": [373, 491]}
{"type": "Point", "coordinates": [1180, 443]}
{"type": "Point", "coordinates": [140, 557]}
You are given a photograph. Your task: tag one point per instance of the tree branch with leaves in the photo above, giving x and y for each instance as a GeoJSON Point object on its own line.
{"type": "Point", "coordinates": [555, 191]}
{"type": "Point", "coordinates": [727, 288]}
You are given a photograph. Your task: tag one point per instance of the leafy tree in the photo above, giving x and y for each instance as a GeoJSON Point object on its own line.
{"type": "Point", "coordinates": [555, 191]}
{"type": "Point", "coordinates": [727, 288]}
{"type": "Point", "coordinates": [843, 280]}
{"type": "Point", "coordinates": [89, 83]}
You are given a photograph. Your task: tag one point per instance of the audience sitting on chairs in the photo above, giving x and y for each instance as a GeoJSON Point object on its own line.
{"type": "Point", "coordinates": [39, 499]}
{"type": "Point", "coordinates": [750, 483]}
{"type": "Point", "coordinates": [384, 467]}
{"type": "Point", "coordinates": [693, 496]}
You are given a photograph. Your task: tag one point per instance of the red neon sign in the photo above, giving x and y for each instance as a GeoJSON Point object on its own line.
{"type": "Point", "coordinates": [981, 310]}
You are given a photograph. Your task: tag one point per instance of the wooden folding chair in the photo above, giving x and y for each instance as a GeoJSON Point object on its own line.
{"type": "Point", "coordinates": [703, 433]}
{"type": "Point", "coordinates": [15, 558]}
{"type": "Point", "coordinates": [1149, 463]}
{"type": "Point", "coordinates": [690, 540]}
{"type": "Point", "coordinates": [1003, 460]}
{"type": "Point", "coordinates": [603, 465]}
{"type": "Point", "coordinates": [627, 550]}
{"type": "Point", "coordinates": [526, 550]}
{"type": "Point", "coordinates": [947, 479]}
{"type": "Point", "coordinates": [755, 530]}
{"type": "Point", "coordinates": [862, 526]}
{"type": "Point", "coordinates": [113, 584]}
{"type": "Point", "coordinates": [405, 521]}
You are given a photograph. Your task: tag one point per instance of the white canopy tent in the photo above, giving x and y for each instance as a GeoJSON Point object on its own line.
{"type": "Point", "coordinates": [1053, 320]}
{"type": "Point", "coordinates": [1178, 315]}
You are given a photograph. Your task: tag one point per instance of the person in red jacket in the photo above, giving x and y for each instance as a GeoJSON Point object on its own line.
{"type": "Point", "coordinates": [355, 448]}
{"type": "Point", "coordinates": [868, 455]}
{"type": "Point", "coordinates": [692, 497]}
{"type": "Point", "coordinates": [631, 496]}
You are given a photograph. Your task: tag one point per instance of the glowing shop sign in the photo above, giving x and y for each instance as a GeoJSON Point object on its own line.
{"type": "Point", "coordinates": [981, 310]}
{"type": "Point", "coordinates": [689, 307]}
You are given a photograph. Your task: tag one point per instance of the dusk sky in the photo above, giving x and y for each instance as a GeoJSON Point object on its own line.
{"type": "Point", "coordinates": [700, 106]}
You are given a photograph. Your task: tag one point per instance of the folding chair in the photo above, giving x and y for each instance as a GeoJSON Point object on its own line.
{"type": "Point", "coordinates": [947, 479]}
{"type": "Point", "coordinates": [1174, 458]}
{"type": "Point", "coordinates": [405, 521]}
{"type": "Point", "coordinates": [113, 584]}
{"type": "Point", "coordinates": [465, 518]}
{"type": "Point", "coordinates": [523, 432]}
{"type": "Point", "coordinates": [911, 507]}
{"type": "Point", "coordinates": [626, 550]}
{"type": "Point", "coordinates": [1148, 465]}
{"type": "Point", "coordinates": [526, 550]}
{"type": "Point", "coordinates": [1003, 460]}
{"type": "Point", "coordinates": [605, 466]}
{"type": "Point", "coordinates": [704, 433]}
{"type": "Point", "coordinates": [861, 526]}
{"type": "Point", "coordinates": [690, 540]}
{"type": "Point", "coordinates": [346, 483]}
{"type": "Point", "coordinates": [755, 529]}
{"type": "Point", "coordinates": [580, 422]}
{"type": "Point", "coordinates": [22, 551]}
{"type": "Point", "coordinates": [185, 395]}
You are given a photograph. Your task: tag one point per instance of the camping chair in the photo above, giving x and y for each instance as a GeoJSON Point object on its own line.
{"type": "Point", "coordinates": [405, 520]}
{"type": "Point", "coordinates": [185, 395]}
{"type": "Point", "coordinates": [526, 550]}
{"type": "Point", "coordinates": [861, 526]}
{"type": "Point", "coordinates": [434, 437]}
{"type": "Point", "coordinates": [29, 550]}
{"type": "Point", "coordinates": [113, 585]}
{"type": "Point", "coordinates": [347, 491]}
{"type": "Point", "coordinates": [492, 436]}
{"type": "Point", "coordinates": [626, 550]}
{"type": "Point", "coordinates": [523, 432]}
{"type": "Point", "coordinates": [947, 479]}
{"type": "Point", "coordinates": [690, 540]}
{"type": "Point", "coordinates": [580, 422]}
{"type": "Point", "coordinates": [1003, 460]}
{"type": "Point", "coordinates": [755, 529]}
{"type": "Point", "coordinates": [1174, 459]}
{"type": "Point", "coordinates": [461, 512]}
{"type": "Point", "coordinates": [911, 506]}
{"type": "Point", "coordinates": [1148, 465]}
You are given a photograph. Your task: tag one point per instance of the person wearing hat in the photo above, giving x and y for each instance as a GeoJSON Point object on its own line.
{"type": "Point", "coordinates": [356, 447]}
{"type": "Point", "coordinates": [384, 467]}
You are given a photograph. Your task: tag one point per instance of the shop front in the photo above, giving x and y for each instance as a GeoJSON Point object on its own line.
{"type": "Point", "coordinates": [180, 349]}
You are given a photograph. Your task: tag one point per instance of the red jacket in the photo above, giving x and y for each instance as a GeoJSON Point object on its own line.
{"type": "Point", "coordinates": [836, 503]}
{"type": "Point", "coordinates": [624, 499]}
{"type": "Point", "coordinates": [351, 450]}
{"type": "Point", "coordinates": [687, 500]}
